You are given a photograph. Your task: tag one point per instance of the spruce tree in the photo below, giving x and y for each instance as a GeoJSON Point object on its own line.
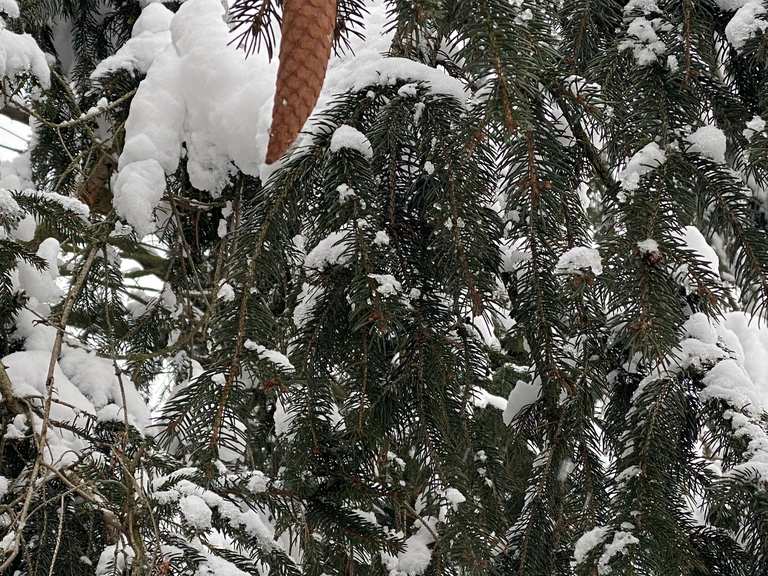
{"type": "Point", "coordinates": [499, 310]}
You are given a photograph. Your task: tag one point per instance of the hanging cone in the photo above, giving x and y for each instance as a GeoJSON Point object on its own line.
{"type": "Point", "coordinates": [305, 48]}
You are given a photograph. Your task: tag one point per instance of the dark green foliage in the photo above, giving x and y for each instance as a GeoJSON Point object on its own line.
{"type": "Point", "coordinates": [330, 345]}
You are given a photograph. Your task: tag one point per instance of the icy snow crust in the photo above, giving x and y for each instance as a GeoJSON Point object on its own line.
{"type": "Point", "coordinates": [204, 99]}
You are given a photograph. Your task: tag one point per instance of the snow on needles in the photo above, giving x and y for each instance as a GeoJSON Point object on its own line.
{"type": "Point", "coordinates": [351, 139]}
{"type": "Point", "coordinates": [709, 141]}
{"type": "Point", "coordinates": [641, 33]}
{"type": "Point", "coordinates": [200, 92]}
{"type": "Point", "coordinates": [85, 383]}
{"type": "Point", "coordinates": [203, 98]}
{"type": "Point", "coordinates": [647, 159]}
{"type": "Point", "coordinates": [19, 53]}
{"type": "Point", "coordinates": [746, 24]}
{"type": "Point", "coordinates": [10, 8]}
{"type": "Point", "coordinates": [522, 395]}
{"type": "Point", "coordinates": [578, 259]}
{"type": "Point", "coordinates": [150, 36]}
{"type": "Point", "coordinates": [330, 251]}
{"type": "Point", "coordinates": [732, 354]}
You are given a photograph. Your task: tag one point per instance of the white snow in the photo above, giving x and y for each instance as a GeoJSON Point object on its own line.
{"type": "Point", "coordinates": [729, 381]}
{"type": "Point", "coordinates": [226, 292]}
{"type": "Point", "coordinates": [754, 127]}
{"type": "Point", "coordinates": [621, 540]}
{"type": "Point", "coordinates": [694, 240]}
{"type": "Point", "coordinates": [416, 554]}
{"type": "Point", "coordinates": [41, 284]}
{"type": "Point", "coordinates": [349, 138]}
{"type": "Point", "coordinates": [19, 53]}
{"type": "Point", "coordinates": [746, 24]}
{"type": "Point", "coordinates": [648, 246]}
{"type": "Point", "coordinates": [282, 418]}
{"type": "Point", "coordinates": [644, 161]}
{"type": "Point", "coordinates": [258, 482]}
{"type": "Point", "coordinates": [731, 5]}
{"type": "Point", "coordinates": [642, 38]}
{"type": "Point", "coordinates": [10, 8]}
{"type": "Point", "coordinates": [388, 71]}
{"type": "Point", "coordinates": [4, 485]}
{"type": "Point", "coordinates": [482, 399]}
{"type": "Point", "coordinates": [756, 462]}
{"type": "Point", "coordinates": [522, 395]}
{"type": "Point", "coordinates": [27, 371]}
{"type": "Point", "coordinates": [513, 255]}
{"type": "Point", "coordinates": [150, 36]}
{"type": "Point", "coordinates": [330, 251]}
{"type": "Point", "coordinates": [698, 326]}
{"type": "Point", "coordinates": [578, 259]}
{"type": "Point", "coordinates": [305, 303]}
{"type": "Point", "coordinates": [115, 559]}
{"type": "Point", "coordinates": [203, 92]}
{"type": "Point", "coordinates": [196, 511]}
{"type": "Point", "coordinates": [566, 467]}
{"type": "Point", "coordinates": [345, 193]}
{"type": "Point", "coordinates": [709, 141]}
{"type": "Point", "coordinates": [68, 203]}
{"type": "Point", "coordinates": [388, 284]}
{"type": "Point", "coordinates": [381, 238]}
{"type": "Point", "coordinates": [9, 208]}
{"type": "Point", "coordinates": [672, 63]}
{"type": "Point", "coordinates": [454, 497]}
{"type": "Point", "coordinates": [588, 541]}
{"type": "Point", "coordinates": [733, 354]}
{"type": "Point", "coordinates": [277, 358]}
{"type": "Point", "coordinates": [138, 189]}
{"type": "Point", "coordinates": [95, 378]}
{"type": "Point", "coordinates": [18, 428]}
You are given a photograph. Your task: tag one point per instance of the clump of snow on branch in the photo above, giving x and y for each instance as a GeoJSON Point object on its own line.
{"type": "Point", "coordinates": [709, 141]}
{"type": "Point", "coordinates": [20, 54]}
{"type": "Point", "coordinates": [579, 259]}
{"type": "Point", "coordinates": [732, 354]}
{"type": "Point", "coordinates": [643, 39]}
{"type": "Point", "coordinates": [138, 189]}
{"type": "Point", "coordinates": [694, 240]}
{"type": "Point", "coordinates": [277, 358]}
{"type": "Point", "coordinates": [150, 36]}
{"type": "Point", "coordinates": [388, 285]}
{"type": "Point", "coordinates": [647, 159]}
{"type": "Point", "coordinates": [84, 384]}
{"type": "Point", "coordinates": [346, 137]}
{"type": "Point", "coordinates": [648, 246]}
{"type": "Point", "coordinates": [754, 127]}
{"type": "Point", "coordinates": [204, 98]}
{"type": "Point", "coordinates": [201, 92]}
{"type": "Point", "coordinates": [330, 251]}
{"type": "Point", "coordinates": [746, 24]}
{"type": "Point", "coordinates": [621, 541]}
{"type": "Point", "coordinates": [522, 395]}
{"type": "Point", "coordinates": [588, 542]}
{"type": "Point", "coordinates": [10, 8]}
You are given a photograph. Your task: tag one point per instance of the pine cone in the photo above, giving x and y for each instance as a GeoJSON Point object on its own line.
{"type": "Point", "coordinates": [305, 49]}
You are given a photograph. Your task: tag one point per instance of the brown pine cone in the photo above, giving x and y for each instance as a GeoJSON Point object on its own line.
{"type": "Point", "coordinates": [305, 48]}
